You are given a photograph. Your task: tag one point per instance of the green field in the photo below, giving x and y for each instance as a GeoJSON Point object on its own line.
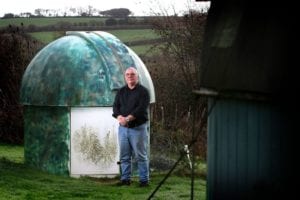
{"type": "Point", "coordinates": [125, 35]}
{"type": "Point", "coordinates": [134, 34]}
{"type": "Point", "coordinates": [128, 35]}
{"type": "Point", "coordinates": [46, 37]}
{"type": "Point", "coordinates": [18, 181]}
{"type": "Point", "coordinates": [49, 21]}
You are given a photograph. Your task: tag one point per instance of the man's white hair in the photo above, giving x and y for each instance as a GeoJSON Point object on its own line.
{"type": "Point", "coordinates": [133, 69]}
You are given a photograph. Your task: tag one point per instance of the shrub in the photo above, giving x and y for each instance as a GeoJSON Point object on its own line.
{"type": "Point", "coordinates": [16, 51]}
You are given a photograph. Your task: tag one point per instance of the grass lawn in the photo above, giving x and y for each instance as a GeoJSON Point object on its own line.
{"type": "Point", "coordinates": [18, 181]}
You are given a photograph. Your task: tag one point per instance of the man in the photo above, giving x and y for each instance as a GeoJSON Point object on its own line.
{"type": "Point", "coordinates": [130, 109]}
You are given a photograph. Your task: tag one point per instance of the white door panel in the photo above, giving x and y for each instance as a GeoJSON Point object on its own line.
{"type": "Point", "coordinates": [94, 142]}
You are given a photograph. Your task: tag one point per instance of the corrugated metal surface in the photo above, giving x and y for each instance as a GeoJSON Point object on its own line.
{"type": "Point", "coordinates": [244, 150]}
{"type": "Point", "coordinates": [244, 50]}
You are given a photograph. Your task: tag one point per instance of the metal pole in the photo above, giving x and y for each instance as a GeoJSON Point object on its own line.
{"type": "Point", "coordinates": [169, 173]}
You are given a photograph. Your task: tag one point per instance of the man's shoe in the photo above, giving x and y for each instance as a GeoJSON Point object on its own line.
{"type": "Point", "coordinates": [124, 182]}
{"type": "Point", "coordinates": [144, 184]}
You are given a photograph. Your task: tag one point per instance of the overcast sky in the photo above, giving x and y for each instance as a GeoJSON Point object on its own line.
{"type": "Point", "coordinates": [138, 7]}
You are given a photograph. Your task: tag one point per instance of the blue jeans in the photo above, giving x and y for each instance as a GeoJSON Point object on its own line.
{"type": "Point", "coordinates": [134, 142]}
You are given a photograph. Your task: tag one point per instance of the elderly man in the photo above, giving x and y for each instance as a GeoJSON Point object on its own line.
{"type": "Point", "coordinates": [130, 109]}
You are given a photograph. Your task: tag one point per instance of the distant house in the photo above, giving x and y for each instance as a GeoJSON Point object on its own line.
{"type": "Point", "coordinates": [247, 73]}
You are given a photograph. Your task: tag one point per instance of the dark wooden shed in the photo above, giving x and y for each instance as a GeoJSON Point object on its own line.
{"type": "Point", "coordinates": [247, 72]}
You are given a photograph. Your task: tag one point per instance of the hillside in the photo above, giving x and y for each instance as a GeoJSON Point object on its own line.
{"type": "Point", "coordinates": [135, 32]}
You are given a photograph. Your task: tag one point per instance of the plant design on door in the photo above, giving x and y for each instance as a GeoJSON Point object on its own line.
{"type": "Point", "coordinates": [92, 148]}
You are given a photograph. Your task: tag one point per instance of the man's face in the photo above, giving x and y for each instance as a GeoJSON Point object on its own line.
{"type": "Point", "coordinates": [131, 77]}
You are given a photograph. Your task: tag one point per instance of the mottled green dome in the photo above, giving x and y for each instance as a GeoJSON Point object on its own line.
{"type": "Point", "coordinates": [80, 69]}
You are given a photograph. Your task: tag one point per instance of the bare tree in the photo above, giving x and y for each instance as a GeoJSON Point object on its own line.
{"type": "Point", "coordinates": [183, 41]}
{"type": "Point", "coordinates": [38, 11]}
{"type": "Point", "coordinates": [176, 75]}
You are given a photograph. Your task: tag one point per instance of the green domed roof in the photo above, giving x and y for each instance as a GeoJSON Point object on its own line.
{"type": "Point", "coordinates": [80, 69]}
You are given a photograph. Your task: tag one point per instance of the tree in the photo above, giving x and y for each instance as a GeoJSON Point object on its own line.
{"type": "Point", "coordinates": [26, 14]}
{"type": "Point", "coordinates": [176, 75]}
{"type": "Point", "coordinates": [8, 15]}
{"type": "Point", "coordinates": [38, 12]}
{"type": "Point", "coordinates": [16, 51]}
{"type": "Point", "coordinates": [183, 41]}
{"type": "Point", "coordinates": [110, 22]}
{"type": "Point", "coordinates": [116, 13]}
{"type": "Point", "coordinates": [91, 10]}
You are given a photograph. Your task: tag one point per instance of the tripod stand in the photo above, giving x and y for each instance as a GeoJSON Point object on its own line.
{"type": "Point", "coordinates": [186, 151]}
